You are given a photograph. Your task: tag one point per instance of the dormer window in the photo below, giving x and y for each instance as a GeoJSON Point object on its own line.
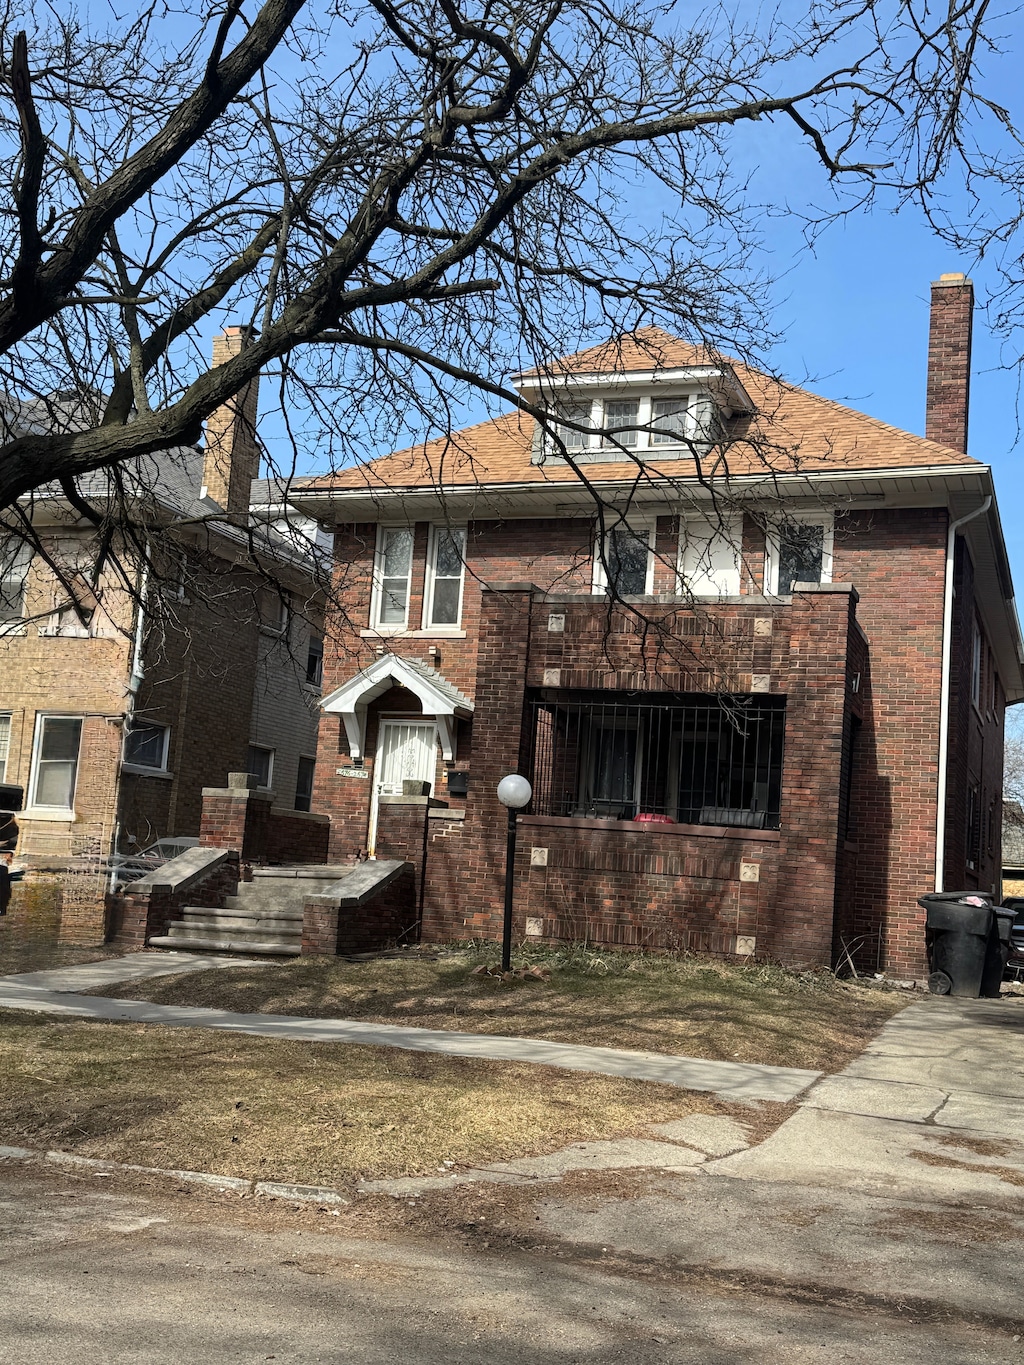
{"type": "Point", "coordinates": [668, 420]}
{"type": "Point", "coordinates": [613, 428]}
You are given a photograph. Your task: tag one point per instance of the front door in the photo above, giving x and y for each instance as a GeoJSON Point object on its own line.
{"type": "Point", "coordinates": [405, 750]}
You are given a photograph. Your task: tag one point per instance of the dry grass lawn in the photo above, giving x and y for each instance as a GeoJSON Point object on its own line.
{"type": "Point", "coordinates": [310, 1112]}
{"type": "Point", "coordinates": [680, 1005]}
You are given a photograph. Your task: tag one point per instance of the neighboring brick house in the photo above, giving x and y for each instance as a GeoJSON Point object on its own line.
{"type": "Point", "coordinates": [743, 747]}
{"type": "Point", "coordinates": [116, 712]}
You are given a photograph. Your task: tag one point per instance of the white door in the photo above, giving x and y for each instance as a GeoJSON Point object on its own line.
{"type": "Point", "coordinates": [405, 750]}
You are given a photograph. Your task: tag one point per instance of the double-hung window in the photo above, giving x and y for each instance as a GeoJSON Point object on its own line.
{"type": "Point", "coordinates": [445, 573]}
{"type": "Point", "coordinates": [668, 421]}
{"type": "Point", "coordinates": [55, 762]}
{"type": "Point", "coordinates": [624, 561]}
{"type": "Point", "coordinates": [709, 557]}
{"type": "Point", "coordinates": [580, 415]}
{"type": "Point", "coordinates": [15, 558]}
{"type": "Point", "coordinates": [799, 550]}
{"type": "Point", "coordinates": [5, 744]}
{"type": "Point", "coordinates": [304, 783]}
{"type": "Point", "coordinates": [621, 416]}
{"type": "Point", "coordinates": [315, 661]}
{"type": "Point", "coordinates": [145, 745]}
{"type": "Point", "coordinates": [392, 577]}
{"type": "Point", "coordinates": [261, 764]}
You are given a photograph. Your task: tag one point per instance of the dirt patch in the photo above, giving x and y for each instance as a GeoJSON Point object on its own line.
{"type": "Point", "coordinates": [680, 1005]}
{"type": "Point", "coordinates": [983, 1146]}
{"type": "Point", "coordinates": [962, 1226]}
{"type": "Point", "coordinates": [1005, 1173]}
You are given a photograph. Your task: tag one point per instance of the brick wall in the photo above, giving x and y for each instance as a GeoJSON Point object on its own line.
{"type": "Point", "coordinates": [249, 823]}
{"type": "Point", "coordinates": [339, 923]}
{"type": "Point", "coordinates": [145, 911]}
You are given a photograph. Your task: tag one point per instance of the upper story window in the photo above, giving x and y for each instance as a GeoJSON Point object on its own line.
{"type": "Point", "coordinates": [799, 550]}
{"type": "Point", "coordinates": [446, 562]}
{"type": "Point", "coordinates": [15, 558]}
{"type": "Point", "coordinates": [709, 557]}
{"type": "Point", "coordinates": [392, 573]}
{"type": "Point", "coordinates": [976, 665]}
{"type": "Point", "coordinates": [5, 744]}
{"type": "Point", "coordinates": [273, 611]}
{"type": "Point", "coordinates": [624, 562]}
{"type": "Point", "coordinates": [55, 762]}
{"type": "Point", "coordinates": [608, 428]}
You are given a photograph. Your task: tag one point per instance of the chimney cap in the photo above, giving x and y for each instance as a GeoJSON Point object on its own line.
{"type": "Point", "coordinates": [954, 277]}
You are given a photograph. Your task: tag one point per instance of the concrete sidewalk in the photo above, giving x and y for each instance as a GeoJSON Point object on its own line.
{"type": "Point", "coordinates": [933, 1107]}
{"type": "Point", "coordinates": [57, 995]}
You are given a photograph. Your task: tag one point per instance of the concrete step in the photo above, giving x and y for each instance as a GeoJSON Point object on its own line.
{"type": "Point", "coordinates": [226, 919]}
{"type": "Point", "coordinates": [292, 914]}
{"type": "Point", "coordinates": [225, 945]}
{"type": "Point", "coordinates": [257, 933]}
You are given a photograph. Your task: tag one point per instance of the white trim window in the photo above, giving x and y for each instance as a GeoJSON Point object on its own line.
{"type": "Point", "coordinates": [15, 559]}
{"type": "Point", "coordinates": [260, 762]}
{"type": "Point", "coordinates": [5, 744]}
{"type": "Point", "coordinates": [55, 763]}
{"type": "Point", "coordinates": [627, 561]}
{"type": "Point", "coordinates": [392, 575]}
{"type": "Point", "coordinates": [709, 557]}
{"type": "Point", "coordinates": [145, 745]}
{"type": "Point", "coordinates": [799, 550]}
{"type": "Point", "coordinates": [446, 564]}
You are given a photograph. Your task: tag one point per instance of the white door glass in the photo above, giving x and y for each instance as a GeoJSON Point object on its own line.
{"type": "Point", "coordinates": [406, 751]}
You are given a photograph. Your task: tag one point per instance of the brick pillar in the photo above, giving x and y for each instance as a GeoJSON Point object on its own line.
{"type": "Point", "coordinates": [819, 627]}
{"type": "Point", "coordinates": [237, 817]}
{"type": "Point", "coordinates": [232, 452]}
{"type": "Point", "coordinates": [502, 660]}
{"type": "Point", "coordinates": [949, 361]}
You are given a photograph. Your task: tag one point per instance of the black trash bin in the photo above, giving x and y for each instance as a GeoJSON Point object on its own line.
{"type": "Point", "coordinates": [957, 933]}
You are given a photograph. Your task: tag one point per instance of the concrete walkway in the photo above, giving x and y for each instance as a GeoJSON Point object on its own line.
{"type": "Point", "coordinates": [56, 995]}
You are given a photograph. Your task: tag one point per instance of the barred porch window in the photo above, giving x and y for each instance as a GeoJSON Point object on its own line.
{"type": "Point", "coordinates": [688, 758]}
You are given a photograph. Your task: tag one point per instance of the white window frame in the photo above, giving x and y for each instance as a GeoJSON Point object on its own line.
{"type": "Point", "coordinates": [640, 526]}
{"type": "Point", "coordinates": [700, 413]}
{"type": "Point", "coordinates": [772, 551]}
{"type": "Point", "coordinates": [702, 585]}
{"type": "Point", "coordinates": [133, 766]}
{"type": "Point", "coordinates": [428, 585]}
{"type": "Point", "coordinates": [33, 805]}
{"type": "Point", "coordinates": [377, 595]}
{"type": "Point", "coordinates": [20, 565]}
{"type": "Point", "coordinates": [283, 602]}
{"type": "Point", "coordinates": [5, 743]}
{"type": "Point", "coordinates": [264, 748]}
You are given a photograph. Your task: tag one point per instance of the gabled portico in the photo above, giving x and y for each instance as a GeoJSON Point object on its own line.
{"type": "Point", "coordinates": [440, 700]}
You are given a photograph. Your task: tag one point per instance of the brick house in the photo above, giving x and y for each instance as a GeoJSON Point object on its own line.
{"type": "Point", "coordinates": [752, 649]}
{"type": "Point", "coordinates": [117, 708]}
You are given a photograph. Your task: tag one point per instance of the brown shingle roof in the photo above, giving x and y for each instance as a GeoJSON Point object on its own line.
{"type": "Point", "coordinates": [791, 431]}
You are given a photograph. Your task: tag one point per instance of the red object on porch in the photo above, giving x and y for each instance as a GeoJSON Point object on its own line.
{"type": "Point", "coordinates": [652, 819]}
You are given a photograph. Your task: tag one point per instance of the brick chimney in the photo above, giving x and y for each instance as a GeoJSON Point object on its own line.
{"type": "Point", "coordinates": [949, 361]}
{"type": "Point", "coordinates": [232, 452]}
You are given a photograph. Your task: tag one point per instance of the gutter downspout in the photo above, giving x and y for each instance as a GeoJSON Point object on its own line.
{"type": "Point", "coordinates": [947, 662]}
{"type": "Point", "coordinates": [134, 683]}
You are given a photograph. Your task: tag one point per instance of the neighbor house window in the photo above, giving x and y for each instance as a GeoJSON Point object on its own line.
{"type": "Point", "coordinates": [695, 760]}
{"type": "Point", "coordinates": [5, 744]}
{"type": "Point", "coordinates": [626, 566]}
{"type": "Point", "coordinates": [709, 557]}
{"type": "Point", "coordinates": [799, 551]}
{"type": "Point", "coordinates": [446, 564]}
{"type": "Point", "coordinates": [976, 666]}
{"type": "Point", "coordinates": [145, 745]}
{"type": "Point", "coordinates": [973, 827]}
{"type": "Point", "coordinates": [261, 764]}
{"type": "Point", "coordinates": [393, 571]}
{"type": "Point", "coordinates": [315, 661]}
{"type": "Point", "coordinates": [304, 784]}
{"type": "Point", "coordinates": [15, 558]}
{"type": "Point", "coordinates": [273, 611]}
{"type": "Point", "coordinates": [55, 766]}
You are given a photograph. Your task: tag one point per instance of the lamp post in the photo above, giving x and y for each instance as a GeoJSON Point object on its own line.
{"type": "Point", "coordinates": [514, 793]}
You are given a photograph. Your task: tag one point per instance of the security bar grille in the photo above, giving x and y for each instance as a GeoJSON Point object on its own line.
{"type": "Point", "coordinates": [624, 756]}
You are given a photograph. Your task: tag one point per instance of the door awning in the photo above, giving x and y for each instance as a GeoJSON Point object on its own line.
{"type": "Point", "coordinates": [436, 695]}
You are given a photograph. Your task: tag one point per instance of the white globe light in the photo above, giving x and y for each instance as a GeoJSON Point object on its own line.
{"type": "Point", "coordinates": [514, 791]}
